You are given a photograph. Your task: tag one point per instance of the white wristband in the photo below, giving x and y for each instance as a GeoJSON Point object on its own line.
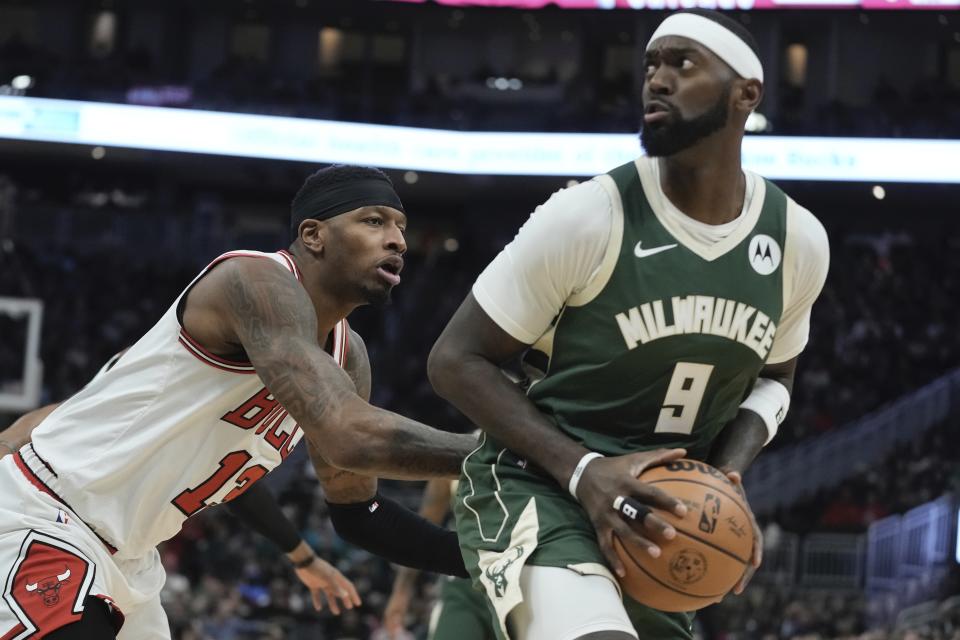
{"type": "Point", "coordinates": [771, 401]}
{"type": "Point", "coordinates": [578, 471]}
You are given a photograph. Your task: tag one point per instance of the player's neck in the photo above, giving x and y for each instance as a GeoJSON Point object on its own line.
{"type": "Point", "coordinates": [706, 181]}
{"type": "Point", "coordinates": [329, 303]}
{"type": "Point", "coordinates": [330, 309]}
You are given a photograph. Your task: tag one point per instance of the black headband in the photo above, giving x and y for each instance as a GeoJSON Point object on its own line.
{"type": "Point", "coordinates": [340, 198]}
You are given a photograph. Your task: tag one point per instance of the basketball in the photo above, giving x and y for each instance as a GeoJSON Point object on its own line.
{"type": "Point", "coordinates": [710, 551]}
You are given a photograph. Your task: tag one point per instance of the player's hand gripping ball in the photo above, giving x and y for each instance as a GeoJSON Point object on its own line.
{"type": "Point", "coordinates": [712, 547]}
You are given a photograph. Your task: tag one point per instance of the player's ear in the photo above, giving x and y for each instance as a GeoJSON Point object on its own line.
{"type": "Point", "coordinates": [313, 235]}
{"type": "Point", "coordinates": [748, 94]}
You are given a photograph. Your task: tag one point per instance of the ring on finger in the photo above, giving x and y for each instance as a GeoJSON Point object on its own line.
{"type": "Point", "coordinates": [630, 508]}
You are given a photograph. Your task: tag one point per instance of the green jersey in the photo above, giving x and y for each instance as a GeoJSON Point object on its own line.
{"type": "Point", "coordinates": [671, 344]}
{"type": "Point", "coordinates": [648, 329]}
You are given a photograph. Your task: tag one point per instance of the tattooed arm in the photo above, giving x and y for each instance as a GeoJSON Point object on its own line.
{"type": "Point", "coordinates": [374, 522]}
{"type": "Point", "coordinates": [255, 306]}
{"type": "Point", "coordinates": [342, 486]}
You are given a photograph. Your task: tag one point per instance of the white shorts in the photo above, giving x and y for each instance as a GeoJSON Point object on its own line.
{"type": "Point", "coordinates": [561, 604]}
{"type": "Point", "coordinates": [50, 562]}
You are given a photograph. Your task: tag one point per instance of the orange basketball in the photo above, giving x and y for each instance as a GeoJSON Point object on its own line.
{"type": "Point", "coordinates": [712, 547]}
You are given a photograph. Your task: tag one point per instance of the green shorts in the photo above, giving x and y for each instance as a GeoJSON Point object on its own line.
{"type": "Point", "coordinates": [461, 613]}
{"type": "Point", "coordinates": [509, 515]}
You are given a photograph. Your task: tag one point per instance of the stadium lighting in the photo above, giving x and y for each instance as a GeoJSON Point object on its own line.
{"type": "Point", "coordinates": [411, 177]}
{"type": "Point", "coordinates": [874, 161]}
{"type": "Point", "coordinates": [22, 83]}
{"type": "Point", "coordinates": [97, 153]}
{"type": "Point", "coordinates": [879, 192]}
{"type": "Point", "coordinates": [756, 121]}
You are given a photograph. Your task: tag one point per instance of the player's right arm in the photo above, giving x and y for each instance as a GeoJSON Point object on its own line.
{"type": "Point", "coordinates": [434, 508]}
{"type": "Point", "coordinates": [254, 305]}
{"type": "Point", "coordinates": [363, 517]}
{"type": "Point", "coordinates": [512, 304]}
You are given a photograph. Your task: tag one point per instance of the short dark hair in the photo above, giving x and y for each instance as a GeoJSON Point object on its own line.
{"type": "Point", "coordinates": [729, 23]}
{"type": "Point", "coordinates": [325, 178]}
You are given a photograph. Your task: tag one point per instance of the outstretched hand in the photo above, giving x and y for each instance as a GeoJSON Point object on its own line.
{"type": "Point", "coordinates": [324, 580]}
{"type": "Point", "coordinates": [757, 556]}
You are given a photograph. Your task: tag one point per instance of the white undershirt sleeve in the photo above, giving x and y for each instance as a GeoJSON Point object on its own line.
{"type": "Point", "coordinates": [806, 261]}
{"type": "Point", "coordinates": [553, 256]}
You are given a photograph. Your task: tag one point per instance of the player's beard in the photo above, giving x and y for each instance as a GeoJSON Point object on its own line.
{"type": "Point", "coordinates": [376, 296]}
{"type": "Point", "coordinates": [673, 137]}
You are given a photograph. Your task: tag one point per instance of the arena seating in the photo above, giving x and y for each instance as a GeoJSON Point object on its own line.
{"type": "Point", "coordinates": [225, 583]}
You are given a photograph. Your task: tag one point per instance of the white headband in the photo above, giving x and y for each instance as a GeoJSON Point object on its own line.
{"type": "Point", "coordinates": [727, 45]}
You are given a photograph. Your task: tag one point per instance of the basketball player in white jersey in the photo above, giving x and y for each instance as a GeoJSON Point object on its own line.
{"type": "Point", "coordinates": [253, 356]}
{"type": "Point", "coordinates": [255, 507]}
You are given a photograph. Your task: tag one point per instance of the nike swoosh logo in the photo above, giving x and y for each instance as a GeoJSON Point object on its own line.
{"type": "Point", "coordinates": [643, 253]}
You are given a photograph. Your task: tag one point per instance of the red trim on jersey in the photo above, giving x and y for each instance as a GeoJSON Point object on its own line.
{"type": "Point", "coordinates": [194, 347]}
{"type": "Point", "coordinates": [287, 258]}
{"type": "Point", "coordinates": [36, 481]}
{"type": "Point", "coordinates": [44, 462]}
{"type": "Point", "coordinates": [197, 349]}
{"type": "Point", "coordinates": [293, 263]}
{"type": "Point", "coordinates": [39, 484]}
{"type": "Point", "coordinates": [232, 254]}
{"type": "Point", "coordinates": [13, 633]}
{"type": "Point", "coordinates": [341, 338]}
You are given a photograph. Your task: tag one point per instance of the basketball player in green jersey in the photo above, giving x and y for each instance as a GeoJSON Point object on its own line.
{"type": "Point", "coordinates": [664, 305]}
{"type": "Point", "coordinates": [461, 612]}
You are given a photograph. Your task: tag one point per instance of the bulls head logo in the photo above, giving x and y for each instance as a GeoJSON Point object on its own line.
{"type": "Point", "coordinates": [496, 573]}
{"type": "Point", "coordinates": [49, 588]}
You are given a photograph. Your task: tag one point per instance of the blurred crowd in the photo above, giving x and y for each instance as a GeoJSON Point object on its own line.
{"type": "Point", "coordinates": [108, 259]}
{"type": "Point", "coordinates": [586, 101]}
{"type": "Point", "coordinates": [921, 471]}
{"type": "Point", "coordinates": [883, 327]}
{"type": "Point", "coordinates": [782, 613]}
{"type": "Point", "coordinates": [784, 603]}
{"type": "Point", "coordinates": [226, 583]}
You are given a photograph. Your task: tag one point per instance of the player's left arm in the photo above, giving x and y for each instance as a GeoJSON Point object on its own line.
{"type": "Point", "coordinates": [757, 421]}
{"type": "Point", "coordinates": [257, 509]}
{"type": "Point", "coordinates": [18, 433]}
{"type": "Point", "coordinates": [743, 438]}
{"type": "Point", "coordinates": [371, 521]}
{"type": "Point", "coordinates": [434, 507]}
{"type": "Point", "coordinates": [806, 261]}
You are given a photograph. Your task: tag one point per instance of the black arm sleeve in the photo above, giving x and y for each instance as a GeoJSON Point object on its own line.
{"type": "Point", "coordinates": [257, 509]}
{"type": "Point", "coordinates": [384, 528]}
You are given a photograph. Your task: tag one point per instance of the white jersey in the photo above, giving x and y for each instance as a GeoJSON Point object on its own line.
{"type": "Point", "coordinates": [169, 430]}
